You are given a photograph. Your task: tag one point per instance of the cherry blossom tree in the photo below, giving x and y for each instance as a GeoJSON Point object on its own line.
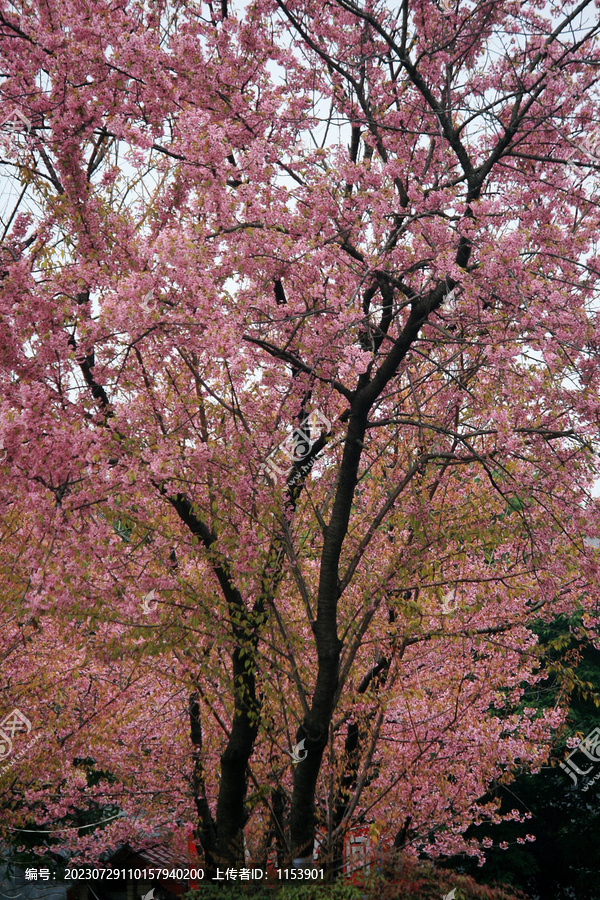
{"type": "Point", "coordinates": [299, 409]}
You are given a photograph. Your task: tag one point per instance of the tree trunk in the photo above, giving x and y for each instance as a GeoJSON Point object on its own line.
{"type": "Point", "coordinates": [222, 841]}
{"type": "Point", "coordinates": [231, 807]}
{"type": "Point", "coordinates": [315, 727]}
{"type": "Point", "coordinates": [206, 834]}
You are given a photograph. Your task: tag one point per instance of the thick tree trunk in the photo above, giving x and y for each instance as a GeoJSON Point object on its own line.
{"type": "Point", "coordinates": [231, 805]}
{"type": "Point", "coordinates": [222, 840]}
{"type": "Point", "coordinates": [315, 727]}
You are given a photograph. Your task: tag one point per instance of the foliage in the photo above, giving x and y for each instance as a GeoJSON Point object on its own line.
{"type": "Point", "coordinates": [335, 891]}
{"type": "Point", "coordinates": [564, 859]}
{"type": "Point", "coordinates": [407, 880]}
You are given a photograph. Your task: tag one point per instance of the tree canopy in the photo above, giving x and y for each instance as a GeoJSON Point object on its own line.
{"type": "Point", "coordinates": [299, 405]}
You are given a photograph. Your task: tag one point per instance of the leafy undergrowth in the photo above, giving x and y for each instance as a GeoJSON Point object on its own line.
{"type": "Point", "coordinates": [423, 881]}
{"type": "Point", "coordinates": [408, 881]}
